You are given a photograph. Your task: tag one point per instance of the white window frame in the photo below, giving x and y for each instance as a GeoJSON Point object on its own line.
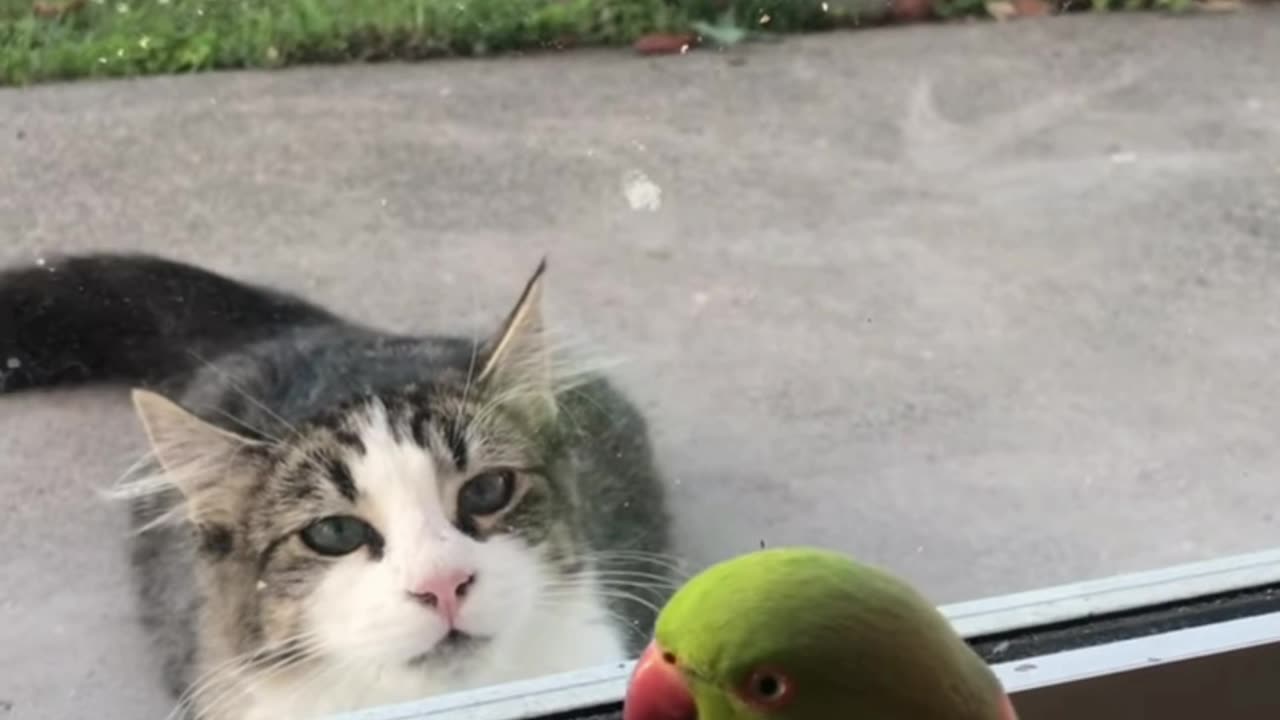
{"type": "Point", "coordinates": [1151, 669]}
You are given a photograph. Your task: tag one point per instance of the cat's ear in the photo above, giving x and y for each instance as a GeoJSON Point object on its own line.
{"type": "Point", "coordinates": [518, 358]}
{"type": "Point", "coordinates": [207, 464]}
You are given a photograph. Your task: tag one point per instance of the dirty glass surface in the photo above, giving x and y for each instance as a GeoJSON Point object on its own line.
{"type": "Point", "coordinates": [991, 304]}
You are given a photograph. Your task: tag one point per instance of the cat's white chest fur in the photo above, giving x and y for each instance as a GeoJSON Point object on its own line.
{"type": "Point", "coordinates": [574, 634]}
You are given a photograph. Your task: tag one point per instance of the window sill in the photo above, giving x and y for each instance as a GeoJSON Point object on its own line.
{"type": "Point", "coordinates": [1193, 641]}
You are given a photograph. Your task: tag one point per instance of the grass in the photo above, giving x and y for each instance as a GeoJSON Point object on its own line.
{"type": "Point", "coordinates": [45, 40]}
{"type": "Point", "coordinates": [63, 39]}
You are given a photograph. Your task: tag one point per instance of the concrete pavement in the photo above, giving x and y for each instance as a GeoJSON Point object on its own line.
{"type": "Point", "coordinates": [995, 305]}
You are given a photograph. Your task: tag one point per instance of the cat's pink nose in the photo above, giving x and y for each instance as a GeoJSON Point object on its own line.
{"type": "Point", "coordinates": [444, 591]}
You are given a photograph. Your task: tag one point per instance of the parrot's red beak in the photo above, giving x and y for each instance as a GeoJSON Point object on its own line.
{"type": "Point", "coordinates": [657, 690]}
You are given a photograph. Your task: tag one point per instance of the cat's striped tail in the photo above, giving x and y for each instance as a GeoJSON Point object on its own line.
{"type": "Point", "coordinates": [132, 318]}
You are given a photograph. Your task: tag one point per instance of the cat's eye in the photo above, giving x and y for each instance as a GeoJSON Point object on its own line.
{"type": "Point", "coordinates": [768, 687]}
{"type": "Point", "coordinates": [487, 493]}
{"type": "Point", "coordinates": [337, 535]}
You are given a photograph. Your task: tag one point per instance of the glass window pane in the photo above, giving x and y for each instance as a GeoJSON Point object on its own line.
{"type": "Point", "coordinates": [354, 383]}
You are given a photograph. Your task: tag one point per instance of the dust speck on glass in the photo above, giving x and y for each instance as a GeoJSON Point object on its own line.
{"type": "Point", "coordinates": [354, 354]}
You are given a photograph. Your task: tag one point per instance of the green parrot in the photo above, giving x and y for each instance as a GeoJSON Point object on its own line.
{"type": "Point", "coordinates": [807, 634]}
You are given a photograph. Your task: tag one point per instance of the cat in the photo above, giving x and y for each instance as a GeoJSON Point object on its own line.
{"type": "Point", "coordinates": [334, 517]}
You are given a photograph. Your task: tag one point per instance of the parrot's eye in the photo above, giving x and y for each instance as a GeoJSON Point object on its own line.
{"type": "Point", "coordinates": [768, 688]}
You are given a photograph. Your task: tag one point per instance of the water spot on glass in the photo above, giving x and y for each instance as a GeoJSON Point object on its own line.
{"type": "Point", "coordinates": [40, 262]}
{"type": "Point", "coordinates": [13, 363]}
{"type": "Point", "coordinates": [641, 192]}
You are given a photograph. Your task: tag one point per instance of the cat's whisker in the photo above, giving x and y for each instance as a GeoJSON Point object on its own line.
{"type": "Point", "coordinates": [470, 378]}
{"type": "Point", "coordinates": [300, 643]}
{"type": "Point", "coordinates": [622, 577]}
{"type": "Point", "coordinates": [125, 484]}
{"type": "Point", "coordinates": [316, 677]}
{"type": "Point", "coordinates": [341, 668]}
{"type": "Point", "coordinates": [568, 371]}
{"type": "Point", "coordinates": [666, 558]}
{"type": "Point", "coordinates": [627, 554]}
{"type": "Point", "coordinates": [263, 669]}
{"type": "Point", "coordinates": [226, 378]}
{"type": "Point", "coordinates": [658, 594]}
{"type": "Point", "coordinates": [134, 481]}
{"type": "Point", "coordinates": [584, 398]}
{"type": "Point", "coordinates": [639, 574]}
{"type": "Point", "coordinates": [616, 617]}
{"type": "Point", "coordinates": [248, 427]}
{"type": "Point", "coordinates": [171, 477]}
{"type": "Point", "coordinates": [616, 594]}
{"type": "Point", "coordinates": [358, 655]}
{"type": "Point", "coordinates": [617, 582]}
{"type": "Point", "coordinates": [657, 572]}
{"type": "Point", "coordinates": [601, 587]}
{"type": "Point", "coordinates": [227, 674]}
{"type": "Point", "coordinates": [624, 620]}
{"type": "Point", "coordinates": [220, 682]}
{"type": "Point", "coordinates": [232, 669]}
{"type": "Point", "coordinates": [147, 458]}
{"type": "Point", "coordinates": [622, 595]}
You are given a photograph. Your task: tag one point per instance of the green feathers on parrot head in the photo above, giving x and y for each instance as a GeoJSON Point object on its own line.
{"type": "Point", "coordinates": [808, 634]}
